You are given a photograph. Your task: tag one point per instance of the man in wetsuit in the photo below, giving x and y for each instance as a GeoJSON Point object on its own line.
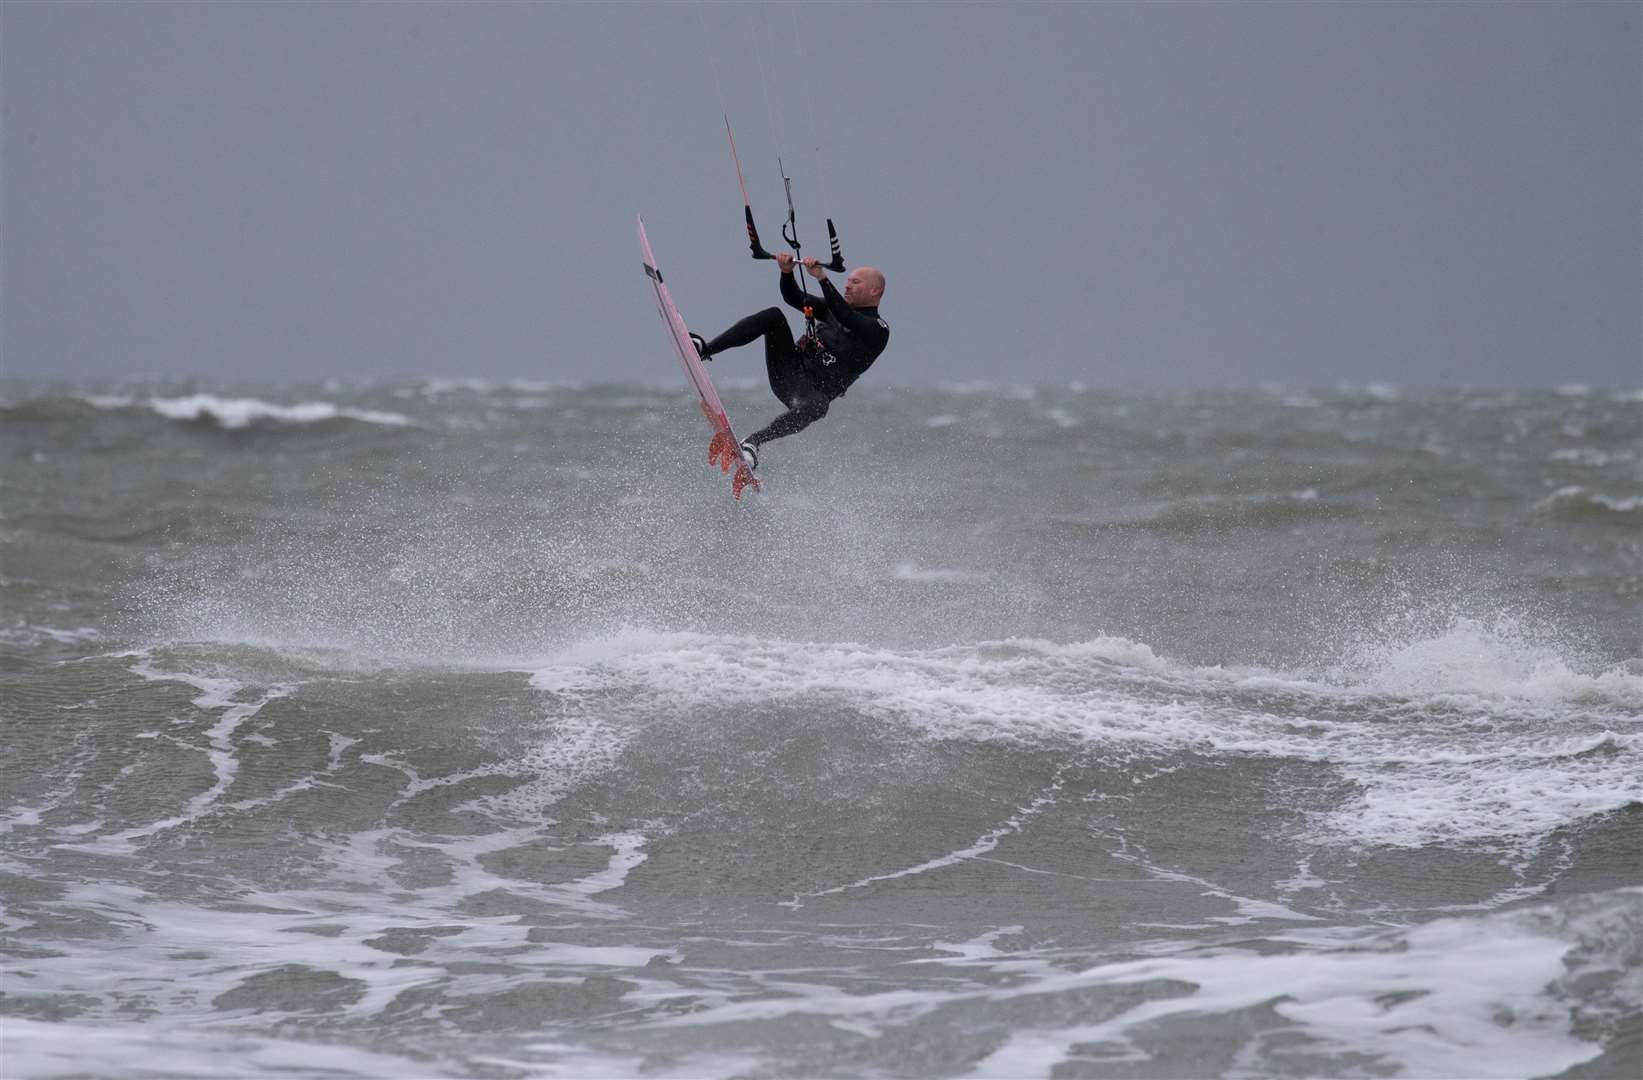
{"type": "Point", "coordinates": [809, 373]}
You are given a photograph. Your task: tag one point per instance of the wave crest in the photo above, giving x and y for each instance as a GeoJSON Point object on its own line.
{"type": "Point", "coordinates": [1575, 503]}
{"type": "Point", "coordinates": [236, 413]}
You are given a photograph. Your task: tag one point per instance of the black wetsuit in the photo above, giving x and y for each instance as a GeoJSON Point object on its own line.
{"type": "Point", "coordinates": [808, 374]}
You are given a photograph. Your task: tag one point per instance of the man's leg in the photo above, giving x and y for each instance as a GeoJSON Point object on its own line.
{"type": "Point", "coordinates": [803, 410]}
{"type": "Point", "coordinates": [805, 404]}
{"type": "Point", "coordinates": [769, 324]}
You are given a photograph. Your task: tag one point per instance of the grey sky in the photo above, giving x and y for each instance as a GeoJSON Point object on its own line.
{"type": "Point", "coordinates": [1160, 193]}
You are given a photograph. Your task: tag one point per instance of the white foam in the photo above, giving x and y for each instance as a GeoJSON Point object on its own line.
{"type": "Point", "coordinates": [336, 929]}
{"type": "Point", "coordinates": [1248, 910]}
{"type": "Point", "coordinates": [578, 747]}
{"type": "Point", "coordinates": [1511, 802]}
{"type": "Point", "coordinates": [31, 634]}
{"type": "Point", "coordinates": [908, 572]}
{"type": "Point", "coordinates": [364, 861]}
{"type": "Point", "coordinates": [234, 413]}
{"type": "Point", "coordinates": [68, 637]}
{"type": "Point", "coordinates": [42, 1050]}
{"type": "Point", "coordinates": [982, 845]}
{"type": "Point", "coordinates": [109, 401]}
{"type": "Point", "coordinates": [339, 745]}
{"type": "Point", "coordinates": [1498, 659]}
{"type": "Point", "coordinates": [1589, 456]}
{"type": "Point", "coordinates": [544, 1060]}
{"type": "Point", "coordinates": [601, 955]}
{"type": "Point", "coordinates": [980, 947]}
{"type": "Point", "coordinates": [438, 385]}
{"type": "Point", "coordinates": [564, 1061]}
{"type": "Point", "coordinates": [628, 852]}
{"type": "Point", "coordinates": [215, 694]}
{"type": "Point", "coordinates": [1473, 735]}
{"type": "Point", "coordinates": [1475, 997]}
{"type": "Point", "coordinates": [1452, 998]}
{"type": "Point", "coordinates": [20, 817]}
{"type": "Point", "coordinates": [1303, 880]}
{"type": "Point", "coordinates": [1573, 497]}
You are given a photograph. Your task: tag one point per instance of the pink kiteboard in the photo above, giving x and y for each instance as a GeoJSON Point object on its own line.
{"type": "Point", "coordinates": [724, 449]}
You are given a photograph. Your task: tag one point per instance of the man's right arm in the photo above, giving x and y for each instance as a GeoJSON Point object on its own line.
{"type": "Point", "coordinates": [795, 299]}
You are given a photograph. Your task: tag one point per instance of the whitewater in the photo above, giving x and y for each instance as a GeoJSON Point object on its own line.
{"type": "Point", "coordinates": [466, 728]}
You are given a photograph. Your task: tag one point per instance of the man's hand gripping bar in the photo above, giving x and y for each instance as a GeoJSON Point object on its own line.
{"type": "Point", "coordinates": [836, 265]}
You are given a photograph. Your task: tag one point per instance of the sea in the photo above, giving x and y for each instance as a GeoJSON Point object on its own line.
{"type": "Point", "coordinates": [466, 728]}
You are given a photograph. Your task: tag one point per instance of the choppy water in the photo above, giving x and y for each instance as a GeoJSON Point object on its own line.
{"type": "Point", "coordinates": [468, 729]}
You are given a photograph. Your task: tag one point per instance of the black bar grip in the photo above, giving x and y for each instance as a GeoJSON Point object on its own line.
{"type": "Point", "coordinates": [753, 236]}
{"type": "Point", "coordinates": [837, 265]}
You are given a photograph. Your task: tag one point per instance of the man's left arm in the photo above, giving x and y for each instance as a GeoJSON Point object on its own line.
{"type": "Point", "coordinates": [857, 323]}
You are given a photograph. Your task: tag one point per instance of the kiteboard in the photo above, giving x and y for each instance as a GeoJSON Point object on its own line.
{"type": "Point", "coordinates": [724, 449]}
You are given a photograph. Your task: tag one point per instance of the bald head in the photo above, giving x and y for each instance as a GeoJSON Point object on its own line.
{"type": "Point", "coordinates": [864, 287]}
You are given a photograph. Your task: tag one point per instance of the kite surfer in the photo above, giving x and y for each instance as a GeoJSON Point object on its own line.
{"type": "Point", "coordinates": [844, 335]}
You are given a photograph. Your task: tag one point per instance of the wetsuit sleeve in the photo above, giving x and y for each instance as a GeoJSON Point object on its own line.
{"type": "Point", "coordinates": [866, 327]}
{"type": "Point", "coordinates": [791, 295]}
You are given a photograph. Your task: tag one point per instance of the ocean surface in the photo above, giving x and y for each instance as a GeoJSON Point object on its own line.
{"type": "Point", "coordinates": [467, 729]}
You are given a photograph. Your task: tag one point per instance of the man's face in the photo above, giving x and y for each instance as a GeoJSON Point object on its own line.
{"type": "Point", "coordinates": [857, 288]}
